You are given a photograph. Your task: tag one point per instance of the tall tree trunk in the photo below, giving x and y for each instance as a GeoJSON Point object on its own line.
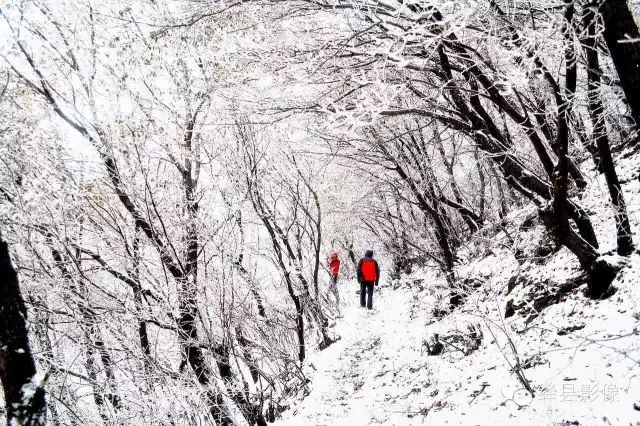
{"type": "Point", "coordinates": [261, 211]}
{"type": "Point", "coordinates": [95, 341]}
{"type": "Point", "coordinates": [599, 271]}
{"type": "Point", "coordinates": [92, 374]}
{"type": "Point", "coordinates": [621, 35]}
{"type": "Point", "coordinates": [561, 172]}
{"type": "Point", "coordinates": [532, 187]}
{"type": "Point", "coordinates": [246, 353]}
{"type": "Point", "coordinates": [187, 303]}
{"type": "Point", "coordinates": [24, 397]}
{"type": "Point", "coordinates": [143, 335]}
{"type": "Point", "coordinates": [481, 178]}
{"type": "Point", "coordinates": [348, 244]}
{"type": "Point", "coordinates": [601, 135]}
{"type": "Point", "coordinates": [252, 413]}
{"type": "Point", "coordinates": [238, 263]}
{"type": "Point", "coordinates": [503, 210]}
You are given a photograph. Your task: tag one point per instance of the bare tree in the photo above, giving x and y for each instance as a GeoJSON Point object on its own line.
{"type": "Point", "coordinates": [24, 395]}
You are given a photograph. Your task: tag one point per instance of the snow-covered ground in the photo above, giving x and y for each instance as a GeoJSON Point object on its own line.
{"type": "Point", "coordinates": [379, 371]}
{"type": "Point", "coordinates": [580, 356]}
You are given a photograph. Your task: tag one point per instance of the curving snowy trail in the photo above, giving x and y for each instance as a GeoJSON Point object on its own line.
{"type": "Point", "coordinates": [580, 355]}
{"type": "Point", "coordinates": [362, 378]}
{"type": "Point", "coordinates": [379, 373]}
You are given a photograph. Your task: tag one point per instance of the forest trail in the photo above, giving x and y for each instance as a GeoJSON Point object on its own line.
{"type": "Point", "coordinates": [379, 372]}
{"type": "Point", "coordinates": [366, 376]}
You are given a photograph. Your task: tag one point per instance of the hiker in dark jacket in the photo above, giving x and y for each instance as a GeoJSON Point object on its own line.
{"type": "Point", "coordinates": [368, 276]}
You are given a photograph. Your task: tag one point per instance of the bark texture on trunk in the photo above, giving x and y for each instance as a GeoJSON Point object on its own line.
{"type": "Point", "coordinates": [24, 396]}
{"type": "Point", "coordinates": [619, 29]}
{"type": "Point", "coordinates": [601, 136]}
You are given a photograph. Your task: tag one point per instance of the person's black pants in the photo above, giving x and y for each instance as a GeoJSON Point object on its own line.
{"type": "Point", "coordinates": [334, 290]}
{"type": "Point", "coordinates": [366, 290]}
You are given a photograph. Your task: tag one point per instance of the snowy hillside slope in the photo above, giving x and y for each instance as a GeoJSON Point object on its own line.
{"type": "Point", "coordinates": [580, 356]}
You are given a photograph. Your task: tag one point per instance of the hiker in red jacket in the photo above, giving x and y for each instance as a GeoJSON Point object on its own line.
{"type": "Point", "coordinates": [334, 270]}
{"type": "Point", "coordinates": [368, 276]}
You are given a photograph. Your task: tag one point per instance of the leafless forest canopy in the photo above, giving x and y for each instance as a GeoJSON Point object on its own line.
{"type": "Point", "coordinates": [174, 174]}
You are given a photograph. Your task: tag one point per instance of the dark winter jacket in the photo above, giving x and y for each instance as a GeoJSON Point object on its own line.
{"type": "Point", "coordinates": [368, 270]}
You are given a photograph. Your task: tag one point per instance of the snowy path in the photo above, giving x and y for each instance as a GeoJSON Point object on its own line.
{"type": "Point", "coordinates": [355, 378]}
{"type": "Point", "coordinates": [378, 373]}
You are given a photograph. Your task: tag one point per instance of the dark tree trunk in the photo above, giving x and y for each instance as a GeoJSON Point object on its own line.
{"type": "Point", "coordinates": [261, 211]}
{"type": "Point", "coordinates": [540, 114]}
{"type": "Point", "coordinates": [187, 279]}
{"type": "Point", "coordinates": [23, 395]}
{"type": "Point", "coordinates": [246, 354]}
{"type": "Point", "coordinates": [92, 374]}
{"type": "Point", "coordinates": [143, 335]}
{"type": "Point", "coordinates": [503, 210]}
{"type": "Point", "coordinates": [239, 264]}
{"type": "Point", "coordinates": [481, 178]}
{"type": "Point", "coordinates": [600, 273]}
{"type": "Point", "coordinates": [193, 356]}
{"type": "Point", "coordinates": [352, 256]}
{"type": "Point", "coordinates": [561, 172]}
{"type": "Point", "coordinates": [600, 133]}
{"type": "Point", "coordinates": [87, 331]}
{"type": "Point", "coordinates": [95, 341]}
{"type": "Point", "coordinates": [532, 187]}
{"type": "Point", "coordinates": [92, 329]}
{"type": "Point", "coordinates": [316, 242]}
{"type": "Point", "coordinates": [252, 413]}
{"type": "Point", "coordinates": [619, 27]}
{"type": "Point", "coordinates": [440, 229]}
{"type": "Point", "coordinates": [300, 330]}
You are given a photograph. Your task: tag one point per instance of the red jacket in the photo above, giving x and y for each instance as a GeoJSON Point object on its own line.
{"type": "Point", "coordinates": [368, 270]}
{"type": "Point", "coordinates": [334, 265]}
